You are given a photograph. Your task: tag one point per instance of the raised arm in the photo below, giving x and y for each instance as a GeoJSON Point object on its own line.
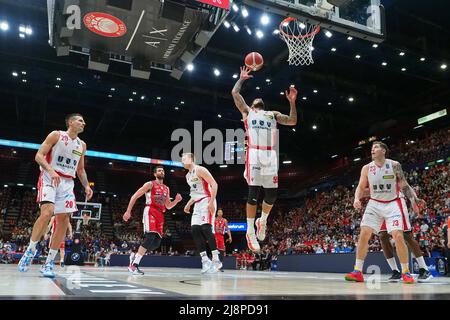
{"type": "Point", "coordinates": [82, 175]}
{"type": "Point", "coordinates": [360, 189]}
{"type": "Point", "coordinates": [139, 193]}
{"type": "Point", "coordinates": [291, 119]}
{"type": "Point", "coordinates": [170, 204]}
{"type": "Point", "coordinates": [407, 190]}
{"type": "Point", "coordinates": [236, 92]}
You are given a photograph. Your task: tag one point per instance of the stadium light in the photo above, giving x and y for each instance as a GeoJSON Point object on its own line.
{"type": "Point", "coordinates": [401, 54]}
{"type": "Point", "coordinates": [249, 31]}
{"type": "Point", "coordinates": [443, 66]}
{"type": "Point", "coordinates": [328, 34]}
{"type": "Point", "coordinates": [259, 34]}
{"type": "Point", "coordinates": [265, 19]}
{"type": "Point", "coordinates": [422, 59]}
{"type": "Point", "coordinates": [223, 166]}
{"type": "Point", "coordinates": [375, 45]}
{"type": "Point", "coordinates": [350, 38]}
{"type": "Point", "coordinates": [190, 67]}
{"type": "Point", "coordinates": [216, 72]}
{"type": "Point", "coordinates": [244, 12]}
{"type": "Point", "coordinates": [226, 24]}
{"type": "Point", "coordinates": [351, 99]}
{"type": "Point", "coordinates": [384, 64]}
{"type": "Point", "coordinates": [287, 162]}
{"type": "Point", "coordinates": [235, 7]}
{"type": "Point", "coordinates": [333, 49]}
{"type": "Point", "coordinates": [235, 27]}
{"type": "Point", "coordinates": [4, 26]}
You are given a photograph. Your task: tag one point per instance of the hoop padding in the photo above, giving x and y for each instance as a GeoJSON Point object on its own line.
{"type": "Point", "coordinates": [299, 37]}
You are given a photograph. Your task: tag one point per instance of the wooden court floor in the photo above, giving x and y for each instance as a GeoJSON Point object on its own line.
{"type": "Point", "coordinates": [176, 283]}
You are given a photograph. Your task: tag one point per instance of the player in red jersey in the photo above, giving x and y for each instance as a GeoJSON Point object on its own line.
{"type": "Point", "coordinates": [157, 196]}
{"type": "Point", "coordinates": [220, 225]}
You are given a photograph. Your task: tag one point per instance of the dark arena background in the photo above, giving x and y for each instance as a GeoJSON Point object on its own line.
{"type": "Point", "coordinates": [137, 70]}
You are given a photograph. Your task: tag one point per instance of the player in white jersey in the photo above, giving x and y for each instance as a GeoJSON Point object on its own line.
{"type": "Point", "coordinates": [203, 196]}
{"type": "Point", "coordinates": [61, 158]}
{"type": "Point", "coordinates": [385, 179]}
{"type": "Point", "coordinates": [261, 167]}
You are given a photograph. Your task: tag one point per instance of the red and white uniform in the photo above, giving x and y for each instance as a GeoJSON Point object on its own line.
{"type": "Point", "coordinates": [219, 227]}
{"type": "Point", "coordinates": [64, 158]}
{"type": "Point", "coordinates": [261, 163]}
{"type": "Point", "coordinates": [155, 206]}
{"type": "Point", "coordinates": [406, 226]}
{"type": "Point", "coordinates": [201, 193]}
{"type": "Point", "coordinates": [385, 203]}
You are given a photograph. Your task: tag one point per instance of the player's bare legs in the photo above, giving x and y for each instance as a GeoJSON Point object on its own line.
{"type": "Point", "coordinates": [59, 234]}
{"type": "Point", "coordinates": [388, 250]}
{"type": "Point", "coordinates": [262, 222]}
{"type": "Point", "coordinates": [402, 250]}
{"type": "Point", "coordinates": [39, 229]}
{"type": "Point", "coordinates": [40, 226]}
{"type": "Point", "coordinates": [361, 253]}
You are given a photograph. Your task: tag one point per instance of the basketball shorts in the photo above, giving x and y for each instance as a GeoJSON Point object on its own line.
{"type": "Point", "coordinates": [62, 245]}
{"type": "Point", "coordinates": [153, 220]}
{"type": "Point", "coordinates": [220, 241]}
{"type": "Point", "coordinates": [61, 196]}
{"type": "Point", "coordinates": [201, 214]}
{"type": "Point", "coordinates": [392, 213]}
{"type": "Point", "coordinates": [261, 168]}
{"type": "Point", "coordinates": [407, 225]}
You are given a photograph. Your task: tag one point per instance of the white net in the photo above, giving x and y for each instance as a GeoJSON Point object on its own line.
{"type": "Point", "coordinates": [299, 38]}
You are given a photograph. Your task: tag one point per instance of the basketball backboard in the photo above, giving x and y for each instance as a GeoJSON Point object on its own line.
{"type": "Point", "coordinates": [93, 210]}
{"type": "Point", "coordinates": [363, 19]}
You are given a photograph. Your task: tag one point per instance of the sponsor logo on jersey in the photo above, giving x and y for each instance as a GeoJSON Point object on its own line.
{"type": "Point", "coordinates": [374, 187]}
{"type": "Point", "coordinates": [381, 186]}
{"type": "Point", "coordinates": [253, 122]}
{"type": "Point", "coordinates": [391, 176]}
{"type": "Point", "coordinates": [78, 153]}
{"type": "Point", "coordinates": [268, 116]}
{"type": "Point", "coordinates": [373, 170]}
{"type": "Point", "coordinates": [105, 24]}
{"type": "Point", "coordinates": [261, 122]}
{"type": "Point", "coordinates": [387, 165]}
{"type": "Point", "coordinates": [388, 186]}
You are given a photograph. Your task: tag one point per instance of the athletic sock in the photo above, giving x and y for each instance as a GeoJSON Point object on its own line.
{"type": "Point", "coordinates": [393, 264]}
{"type": "Point", "coordinates": [405, 268]}
{"type": "Point", "coordinates": [32, 246]}
{"type": "Point", "coordinates": [264, 217]}
{"type": "Point", "coordinates": [137, 259]}
{"type": "Point", "coordinates": [215, 255]}
{"type": "Point", "coordinates": [51, 255]}
{"type": "Point", "coordinates": [421, 262]}
{"type": "Point", "coordinates": [359, 265]}
{"type": "Point", "coordinates": [250, 225]}
{"type": "Point", "coordinates": [204, 256]}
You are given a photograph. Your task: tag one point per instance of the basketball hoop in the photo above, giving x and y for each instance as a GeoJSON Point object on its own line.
{"type": "Point", "coordinates": [299, 37]}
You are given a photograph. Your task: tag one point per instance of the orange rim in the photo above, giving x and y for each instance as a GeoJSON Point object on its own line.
{"type": "Point", "coordinates": [308, 35]}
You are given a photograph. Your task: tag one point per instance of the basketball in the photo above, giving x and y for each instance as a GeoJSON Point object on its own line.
{"type": "Point", "coordinates": [254, 60]}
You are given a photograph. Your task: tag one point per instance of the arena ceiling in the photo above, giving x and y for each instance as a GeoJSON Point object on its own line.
{"type": "Point", "coordinates": [386, 98]}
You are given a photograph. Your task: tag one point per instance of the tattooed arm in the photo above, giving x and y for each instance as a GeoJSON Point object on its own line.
{"type": "Point", "coordinates": [236, 92]}
{"type": "Point", "coordinates": [407, 190]}
{"type": "Point", "coordinates": [291, 119]}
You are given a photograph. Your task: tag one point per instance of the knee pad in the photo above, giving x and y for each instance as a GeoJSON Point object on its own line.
{"type": "Point", "coordinates": [151, 241]}
{"type": "Point", "coordinates": [253, 194]}
{"type": "Point", "coordinates": [270, 195]}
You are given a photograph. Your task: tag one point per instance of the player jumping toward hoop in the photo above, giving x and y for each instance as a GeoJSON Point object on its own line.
{"type": "Point", "coordinates": [61, 157]}
{"type": "Point", "coordinates": [157, 200]}
{"type": "Point", "coordinates": [261, 165]}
